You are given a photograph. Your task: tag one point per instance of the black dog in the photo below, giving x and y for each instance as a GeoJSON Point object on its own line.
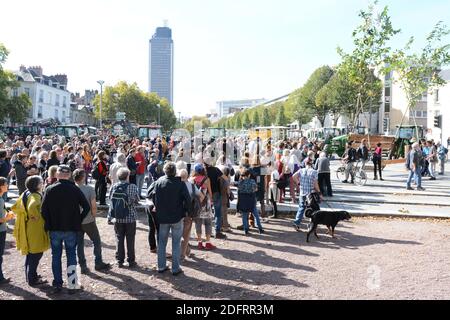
{"type": "Point", "coordinates": [327, 218]}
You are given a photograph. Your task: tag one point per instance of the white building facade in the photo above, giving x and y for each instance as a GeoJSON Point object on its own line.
{"type": "Point", "coordinates": [439, 105]}
{"type": "Point", "coordinates": [48, 94]}
{"type": "Point", "coordinates": [394, 106]}
{"type": "Point", "coordinates": [225, 108]}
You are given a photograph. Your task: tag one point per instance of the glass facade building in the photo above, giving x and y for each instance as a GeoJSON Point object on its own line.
{"type": "Point", "coordinates": [161, 64]}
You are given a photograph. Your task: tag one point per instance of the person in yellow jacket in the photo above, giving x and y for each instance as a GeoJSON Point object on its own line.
{"type": "Point", "coordinates": [31, 238]}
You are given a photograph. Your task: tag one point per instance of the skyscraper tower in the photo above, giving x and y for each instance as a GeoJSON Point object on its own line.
{"type": "Point", "coordinates": [161, 63]}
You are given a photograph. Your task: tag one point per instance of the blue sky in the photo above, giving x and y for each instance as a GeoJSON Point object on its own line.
{"type": "Point", "coordinates": [223, 49]}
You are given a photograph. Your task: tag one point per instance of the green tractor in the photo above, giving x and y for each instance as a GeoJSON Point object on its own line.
{"type": "Point", "coordinates": [406, 136]}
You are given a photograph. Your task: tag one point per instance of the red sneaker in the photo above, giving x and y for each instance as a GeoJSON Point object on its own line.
{"type": "Point", "coordinates": [200, 246]}
{"type": "Point", "coordinates": [210, 246]}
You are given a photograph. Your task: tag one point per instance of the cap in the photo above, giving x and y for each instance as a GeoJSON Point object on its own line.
{"type": "Point", "coordinates": [64, 169]}
{"type": "Point", "coordinates": [198, 168]}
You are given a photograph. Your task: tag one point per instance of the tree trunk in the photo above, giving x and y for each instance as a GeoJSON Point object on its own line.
{"type": "Point", "coordinates": [335, 120]}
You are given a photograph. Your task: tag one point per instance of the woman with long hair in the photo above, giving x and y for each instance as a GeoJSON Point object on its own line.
{"type": "Point", "coordinates": [87, 160]}
{"type": "Point", "coordinates": [201, 180]}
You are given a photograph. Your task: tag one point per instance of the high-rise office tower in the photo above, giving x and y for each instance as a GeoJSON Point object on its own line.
{"type": "Point", "coordinates": [161, 64]}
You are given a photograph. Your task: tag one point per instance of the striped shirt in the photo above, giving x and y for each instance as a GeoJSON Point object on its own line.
{"type": "Point", "coordinates": [133, 201]}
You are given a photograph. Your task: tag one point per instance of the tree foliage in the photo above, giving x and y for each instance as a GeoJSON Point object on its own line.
{"type": "Point", "coordinates": [281, 117]}
{"type": "Point", "coordinates": [304, 99]}
{"type": "Point", "coordinates": [256, 121]}
{"type": "Point", "coordinates": [139, 106]}
{"type": "Point", "coordinates": [266, 122]}
{"type": "Point", "coordinates": [12, 108]}
{"type": "Point", "coordinates": [371, 51]}
{"type": "Point", "coordinates": [419, 72]}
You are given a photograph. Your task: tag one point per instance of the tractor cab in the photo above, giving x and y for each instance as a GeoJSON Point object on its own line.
{"type": "Point", "coordinates": [149, 131]}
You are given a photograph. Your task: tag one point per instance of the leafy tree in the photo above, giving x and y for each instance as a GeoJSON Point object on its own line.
{"type": "Point", "coordinates": [190, 125]}
{"type": "Point", "coordinates": [335, 95]}
{"type": "Point", "coordinates": [281, 117]}
{"type": "Point", "coordinates": [139, 106]}
{"type": "Point", "coordinates": [298, 111]}
{"type": "Point", "coordinates": [266, 118]}
{"type": "Point", "coordinates": [371, 50]}
{"type": "Point", "coordinates": [246, 121]}
{"type": "Point", "coordinates": [238, 122]}
{"type": "Point", "coordinates": [302, 102]}
{"type": "Point", "coordinates": [255, 118]}
{"type": "Point", "coordinates": [419, 72]}
{"type": "Point", "coordinates": [15, 108]}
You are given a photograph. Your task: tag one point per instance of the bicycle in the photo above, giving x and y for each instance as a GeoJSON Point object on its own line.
{"type": "Point", "coordinates": [360, 176]}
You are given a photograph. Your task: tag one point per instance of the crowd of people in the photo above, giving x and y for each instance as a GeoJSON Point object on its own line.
{"type": "Point", "coordinates": [422, 160]}
{"type": "Point", "coordinates": [189, 188]}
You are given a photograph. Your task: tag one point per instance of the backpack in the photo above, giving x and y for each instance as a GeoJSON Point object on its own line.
{"type": "Point", "coordinates": [95, 173]}
{"type": "Point", "coordinates": [195, 207]}
{"type": "Point", "coordinates": [312, 204]}
{"type": "Point", "coordinates": [205, 200]}
{"type": "Point", "coordinates": [119, 208]}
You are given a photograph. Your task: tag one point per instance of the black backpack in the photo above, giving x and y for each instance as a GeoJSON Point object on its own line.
{"type": "Point", "coordinates": [312, 204]}
{"type": "Point", "coordinates": [95, 173]}
{"type": "Point", "coordinates": [119, 208]}
{"type": "Point", "coordinates": [195, 206]}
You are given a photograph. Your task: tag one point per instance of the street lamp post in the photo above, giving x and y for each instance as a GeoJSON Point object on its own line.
{"type": "Point", "coordinates": [159, 114]}
{"type": "Point", "coordinates": [179, 118]}
{"type": "Point", "coordinates": [101, 83]}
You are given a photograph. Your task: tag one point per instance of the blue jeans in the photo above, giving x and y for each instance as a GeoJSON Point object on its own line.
{"type": "Point", "coordinates": [410, 178]}
{"type": "Point", "coordinates": [2, 250]}
{"type": "Point", "coordinates": [69, 239]}
{"type": "Point", "coordinates": [140, 178]}
{"type": "Point", "coordinates": [217, 202]}
{"type": "Point", "coordinates": [257, 219]}
{"type": "Point", "coordinates": [177, 234]}
{"type": "Point", "coordinates": [418, 177]}
{"type": "Point", "coordinates": [301, 210]}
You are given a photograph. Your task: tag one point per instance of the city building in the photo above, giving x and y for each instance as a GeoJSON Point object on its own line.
{"type": "Point", "coordinates": [225, 108]}
{"type": "Point", "coordinates": [161, 64]}
{"type": "Point", "coordinates": [87, 99]}
{"type": "Point", "coordinates": [394, 106]}
{"type": "Point", "coordinates": [48, 94]}
{"type": "Point", "coordinates": [439, 110]}
{"type": "Point", "coordinates": [82, 114]}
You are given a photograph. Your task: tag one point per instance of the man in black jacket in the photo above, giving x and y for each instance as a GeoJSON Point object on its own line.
{"type": "Point", "coordinates": [349, 161]}
{"type": "Point", "coordinates": [171, 198]}
{"type": "Point", "coordinates": [61, 212]}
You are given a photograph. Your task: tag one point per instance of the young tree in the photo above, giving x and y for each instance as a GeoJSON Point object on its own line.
{"type": "Point", "coordinates": [419, 72]}
{"type": "Point", "coordinates": [371, 50]}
